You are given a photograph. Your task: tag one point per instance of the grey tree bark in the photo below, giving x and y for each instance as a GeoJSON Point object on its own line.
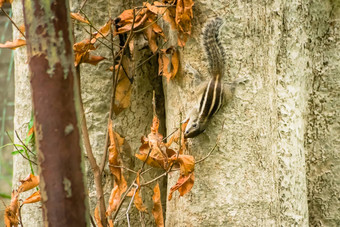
{"type": "Point", "coordinates": [285, 114]}
{"type": "Point", "coordinates": [278, 153]}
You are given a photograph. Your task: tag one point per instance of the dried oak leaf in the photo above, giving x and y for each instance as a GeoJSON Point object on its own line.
{"type": "Point", "coordinates": [81, 49]}
{"type": "Point", "coordinates": [123, 90]}
{"type": "Point", "coordinates": [186, 163]}
{"type": "Point", "coordinates": [138, 199]}
{"type": "Point", "coordinates": [183, 185]}
{"type": "Point", "coordinates": [153, 145]}
{"type": "Point", "coordinates": [157, 210]}
{"type": "Point", "coordinates": [184, 15]}
{"type": "Point", "coordinates": [113, 201]}
{"type": "Point", "coordinates": [80, 18]}
{"type": "Point", "coordinates": [168, 62]}
{"type": "Point", "coordinates": [28, 183]}
{"type": "Point", "coordinates": [12, 211]}
{"type": "Point", "coordinates": [103, 31]}
{"type": "Point", "coordinates": [13, 45]}
{"type": "Point", "coordinates": [116, 143]}
{"type": "Point", "coordinates": [168, 13]}
{"type": "Point", "coordinates": [35, 197]}
{"type": "Point", "coordinates": [186, 180]}
{"type": "Point", "coordinates": [4, 1]}
{"type": "Point", "coordinates": [152, 31]}
{"type": "Point", "coordinates": [124, 20]}
{"type": "Point", "coordinates": [92, 59]}
{"type": "Point", "coordinates": [97, 217]}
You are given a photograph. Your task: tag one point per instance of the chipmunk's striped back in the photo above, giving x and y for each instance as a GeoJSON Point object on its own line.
{"type": "Point", "coordinates": [212, 97]}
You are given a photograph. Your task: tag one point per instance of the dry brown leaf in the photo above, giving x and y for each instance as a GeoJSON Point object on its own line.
{"type": "Point", "coordinates": [116, 143]}
{"type": "Point", "coordinates": [168, 62]}
{"type": "Point", "coordinates": [30, 182]}
{"type": "Point", "coordinates": [125, 20]}
{"type": "Point", "coordinates": [186, 163]}
{"type": "Point", "coordinates": [184, 15]}
{"type": "Point", "coordinates": [168, 13]}
{"type": "Point", "coordinates": [104, 30]}
{"type": "Point", "coordinates": [113, 201]}
{"type": "Point", "coordinates": [110, 223]}
{"type": "Point", "coordinates": [138, 199]}
{"type": "Point", "coordinates": [81, 50]}
{"type": "Point", "coordinates": [35, 197]}
{"type": "Point", "coordinates": [92, 59]}
{"type": "Point", "coordinates": [123, 90]}
{"type": "Point", "coordinates": [183, 185]}
{"type": "Point", "coordinates": [13, 45]}
{"type": "Point", "coordinates": [153, 143]}
{"type": "Point", "coordinates": [97, 217]}
{"type": "Point", "coordinates": [12, 211]}
{"type": "Point", "coordinates": [5, 1]}
{"type": "Point", "coordinates": [80, 18]}
{"type": "Point", "coordinates": [157, 210]}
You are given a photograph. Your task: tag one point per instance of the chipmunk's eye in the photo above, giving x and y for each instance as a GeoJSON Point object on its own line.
{"type": "Point", "coordinates": [194, 125]}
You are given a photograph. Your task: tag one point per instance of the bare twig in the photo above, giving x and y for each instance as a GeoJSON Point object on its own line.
{"type": "Point", "coordinates": [92, 160]}
{"type": "Point", "coordinates": [16, 133]}
{"type": "Point", "coordinates": [82, 5]}
{"type": "Point", "coordinates": [210, 152]}
{"type": "Point", "coordinates": [97, 30]}
{"type": "Point", "coordinates": [122, 200]}
{"type": "Point", "coordinates": [20, 218]}
{"type": "Point", "coordinates": [123, 167]}
{"type": "Point", "coordinates": [12, 22]}
{"type": "Point", "coordinates": [129, 207]}
{"type": "Point", "coordinates": [27, 158]}
{"type": "Point", "coordinates": [212, 149]}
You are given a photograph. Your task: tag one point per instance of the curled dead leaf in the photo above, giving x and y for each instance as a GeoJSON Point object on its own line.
{"type": "Point", "coordinates": [92, 59]}
{"type": "Point", "coordinates": [138, 199]}
{"type": "Point", "coordinates": [13, 45]}
{"type": "Point", "coordinates": [103, 31]}
{"type": "Point", "coordinates": [35, 197]}
{"type": "Point", "coordinates": [28, 183]}
{"type": "Point", "coordinates": [80, 18]}
{"type": "Point", "coordinates": [12, 211]}
{"type": "Point", "coordinates": [157, 210]}
{"type": "Point", "coordinates": [183, 185]}
{"type": "Point", "coordinates": [116, 142]}
{"type": "Point", "coordinates": [97, 217]}
{"type": "Point", "coordinates": [113, 201]}
{"type": "Point", "coordinates": [168, 62]}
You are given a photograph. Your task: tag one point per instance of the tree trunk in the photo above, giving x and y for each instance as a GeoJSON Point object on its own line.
{"type": "Point", "coordinates": [55, 101]}
{"type": "Point", "coordinates": [257, 177]}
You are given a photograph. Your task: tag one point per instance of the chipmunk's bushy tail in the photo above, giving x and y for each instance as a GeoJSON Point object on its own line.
{"type": "Point", "coordinates": [213, 47]}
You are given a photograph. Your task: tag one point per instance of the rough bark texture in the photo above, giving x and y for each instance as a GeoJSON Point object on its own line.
{"type": "Point", "coordinates": [22, 112]}
{"type": "Point", "coordinates": [322, 137]}
{"type": "Point", "coordinates": [258, 176]}
{"type": "Point", "coordinates": [55, 101]}
{"type": "Point", "coordinates": [133, 122]}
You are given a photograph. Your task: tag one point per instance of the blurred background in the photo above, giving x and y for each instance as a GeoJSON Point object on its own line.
{"type": "Point", "coordinates": [6, 110]}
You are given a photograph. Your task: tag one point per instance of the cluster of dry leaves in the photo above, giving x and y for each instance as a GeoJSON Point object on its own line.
{"type": "Point", "coordinates": [155, 153]}
{"type": "Point", "coordinates": [12, 211]}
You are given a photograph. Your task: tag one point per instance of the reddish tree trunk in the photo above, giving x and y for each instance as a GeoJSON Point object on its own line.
{"type": "Point", "coordinates": [55, 101]}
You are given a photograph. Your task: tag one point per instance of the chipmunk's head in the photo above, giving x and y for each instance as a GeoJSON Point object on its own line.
{"type": "Point", "coordinates": [194, 127]}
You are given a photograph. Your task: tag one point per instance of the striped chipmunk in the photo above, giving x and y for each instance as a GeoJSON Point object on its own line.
{"type": "Point", "coordinates": [215, 93]}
